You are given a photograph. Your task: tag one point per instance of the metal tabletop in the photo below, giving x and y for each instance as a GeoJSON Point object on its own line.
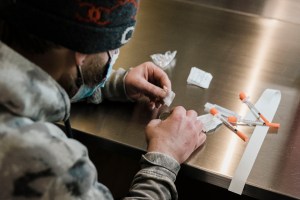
{"type": "Point", "coordinates": [243, 53]}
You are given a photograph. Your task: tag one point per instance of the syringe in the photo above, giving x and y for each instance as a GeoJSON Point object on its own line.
{"type": "Point", "coordinates": [244, 122]}
{"type": "Point", "coordinates": [255, 112]}
{"type": "Point", "coordinates": [215, 112]}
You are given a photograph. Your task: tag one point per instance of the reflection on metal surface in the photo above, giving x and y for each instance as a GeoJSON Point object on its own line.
{"type": "Point", "coordinates": [231, 148]}
{"type": "Point", "coordinates": [284, 10]}
{"type": "Point", "coordinates": [262, 53]}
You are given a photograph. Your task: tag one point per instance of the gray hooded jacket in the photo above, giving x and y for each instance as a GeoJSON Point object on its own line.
{"type": "Point", "coordinates": [37, 160]}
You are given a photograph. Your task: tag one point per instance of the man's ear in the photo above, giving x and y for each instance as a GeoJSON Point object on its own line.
{"type": "Point", "coordinates": [79, 58]}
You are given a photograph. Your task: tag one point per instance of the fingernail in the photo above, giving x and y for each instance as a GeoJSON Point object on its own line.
{"type": "Point", "coordinates": [152, 106]}
{"type": "Point", "coordinates": [165, 88]}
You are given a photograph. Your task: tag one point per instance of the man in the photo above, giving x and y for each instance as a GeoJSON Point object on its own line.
{"type": "Point", "coordinates": [75, 43]}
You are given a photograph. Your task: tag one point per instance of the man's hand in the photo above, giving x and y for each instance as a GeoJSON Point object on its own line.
{"type": "Point", "coordinates": [177, 136]}
{"type": "Point", "coordinates": [147, 80]}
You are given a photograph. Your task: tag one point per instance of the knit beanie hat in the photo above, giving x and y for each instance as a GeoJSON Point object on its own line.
{"type": "Point", "coordinates": [86, 26]}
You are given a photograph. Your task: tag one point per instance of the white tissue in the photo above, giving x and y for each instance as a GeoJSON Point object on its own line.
{"type": "Point", "coordinates": [199, 77]}
{"type": "Point", "coordinates": [163, 60]}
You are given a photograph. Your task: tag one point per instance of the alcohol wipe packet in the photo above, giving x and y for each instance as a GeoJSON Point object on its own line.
{"type": "Point", "coordinates": [199, 77]}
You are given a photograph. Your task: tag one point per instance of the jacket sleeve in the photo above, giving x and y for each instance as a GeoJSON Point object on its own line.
{"type": "Point", "coordinates": [114, 89]}
{"type": "Point", "coordinates": [156, 178]}
{"type": "Point", "coordinates": [39, 162]}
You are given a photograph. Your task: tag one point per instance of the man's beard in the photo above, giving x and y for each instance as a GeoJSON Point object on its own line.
{"type": "Point", "coordinates": [92, 72]}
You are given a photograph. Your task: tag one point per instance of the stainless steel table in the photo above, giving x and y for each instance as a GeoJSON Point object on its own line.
{"type": "Point", "coordinates": [243, 53]}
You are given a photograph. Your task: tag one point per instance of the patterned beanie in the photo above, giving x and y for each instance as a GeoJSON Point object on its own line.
{"type": "Point", "coordinates": [86, 26]}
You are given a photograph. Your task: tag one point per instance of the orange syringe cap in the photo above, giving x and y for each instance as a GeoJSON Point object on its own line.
{"type": "Point", "coordinates": [274, 125]}
{"type": "Point", "coordinates": [213, 111]}
{"type": "Point", "coordinates": [232, 119]}
{"type": "Point", "coordinates": [243, 96]}
{"type": "Point", "coordinates": [242, 136]}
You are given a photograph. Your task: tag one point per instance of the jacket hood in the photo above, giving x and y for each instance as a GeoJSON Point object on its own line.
{"type": "Point", "coordinates": [27, 90]}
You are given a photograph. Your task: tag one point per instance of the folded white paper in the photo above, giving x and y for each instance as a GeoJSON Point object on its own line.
{"type": "Point", "coordinates": [169, 99]}
{"type": "Point", "coordinates": [210, 123]}
{"type": "Point", "coordinates": [199, 77]}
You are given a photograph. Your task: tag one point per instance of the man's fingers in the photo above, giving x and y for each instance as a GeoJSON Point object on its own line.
{"type": "Point", "coordinates": [154, 123]}
{"type": "Point", "coordinates": [159, 76]}
{"type": "Point", "coordinates": [201, 138]}
{"type": "Point", "coordinates": [152, 91]}
{"type": "Point", "coordinates": [191, 113]}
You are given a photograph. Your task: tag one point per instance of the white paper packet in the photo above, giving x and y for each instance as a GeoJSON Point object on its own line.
{"type": "Point", "coordinates": [199, 77]}
{"type": "Point", "coordinates": [169, 99]}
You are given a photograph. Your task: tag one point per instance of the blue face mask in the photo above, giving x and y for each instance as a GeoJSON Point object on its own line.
{"type": "Point", "coordinates": [87, 91]}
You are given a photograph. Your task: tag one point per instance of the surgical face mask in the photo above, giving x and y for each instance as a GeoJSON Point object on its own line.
{"type": "Point", "coordinates": [87, 91]}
